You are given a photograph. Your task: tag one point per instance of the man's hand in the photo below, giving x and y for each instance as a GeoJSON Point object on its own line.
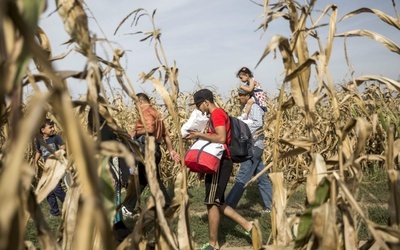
{"type": "Point", "coordinates": [175, 156]}
{"type": "Point", "coordinates": [192, 134]}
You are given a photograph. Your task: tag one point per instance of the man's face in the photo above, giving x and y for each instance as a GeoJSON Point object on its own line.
{"type": "Point", "coordinates": [242, 98]}
{"type": "Point", "coordinates": [202, 106]}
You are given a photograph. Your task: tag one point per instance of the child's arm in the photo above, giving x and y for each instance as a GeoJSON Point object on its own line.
{"type": "Point", "coordinates": [35, 163]}
{"type": "Point", "coordinates": [246, 88]}
{"type": "Point", "coordinates": [250, 87]}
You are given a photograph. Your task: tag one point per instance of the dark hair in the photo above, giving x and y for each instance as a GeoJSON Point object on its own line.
{"type": "Point", "coordinates": [202, 95]}
{"type": "Point", "coordinates": [143, 96]}
{"type": "Point", "coordinates": [45, 123]}
{"type": "Point", "coordinates": [244, 70]}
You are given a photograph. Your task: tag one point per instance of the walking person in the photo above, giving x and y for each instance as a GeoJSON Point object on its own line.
{"type": "Point", "coordinates": [118, 170]}
{"type": "Point", "coordinates": [215, 184]}
{"type": "Point", "coordinates": [53, 142]}
{"type": "Point", "coordinates": [253, 166]}
{"type": "Point", "coordinates": [155, 127]}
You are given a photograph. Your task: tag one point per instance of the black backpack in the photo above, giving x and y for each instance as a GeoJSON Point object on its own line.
{"type": "Point", "coordinates": [241, 145]}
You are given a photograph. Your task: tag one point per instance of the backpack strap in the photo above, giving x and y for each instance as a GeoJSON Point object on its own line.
{"type": "Point", "coordinates": [228, 121]}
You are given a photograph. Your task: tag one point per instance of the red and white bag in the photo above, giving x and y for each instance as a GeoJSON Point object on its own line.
{"type": "Point", "coordinates": [204, 156]}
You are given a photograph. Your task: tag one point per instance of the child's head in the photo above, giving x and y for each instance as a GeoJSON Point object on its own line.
{"type": "Point", "coordinates": [47, 127]}
{"type": "Point", "coordinates": [244, 74]}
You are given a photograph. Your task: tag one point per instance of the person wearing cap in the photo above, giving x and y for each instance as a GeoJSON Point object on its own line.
{"type": "Point", "coordinates": [215, 184]}
{"type": "Point", "coordinates": [252, 86]}
{"type": "Point", "coordinates": [253, 166]}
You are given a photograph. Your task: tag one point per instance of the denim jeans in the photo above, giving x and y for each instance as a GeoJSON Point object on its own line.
{"type": "Point", "coordinates": [58, 192]}
{"type": "Point", "coordinates": [246, 171]}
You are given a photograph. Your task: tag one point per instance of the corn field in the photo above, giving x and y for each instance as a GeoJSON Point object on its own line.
{"type": "Point", "coordinates": [323, 138]}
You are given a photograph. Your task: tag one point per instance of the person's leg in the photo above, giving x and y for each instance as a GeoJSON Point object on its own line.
{"type": "Point", "coordinates": [213, 225]}
{"type": "Point", "coordinates": [52, 200]}
{"type": "Point", "coordinates": [244, 174]}
{"type": "Point", "coordinates": [265, 188]}
{"type": "Point", "coordinates": [247, 108]}
{"type": "Point", "coordinates": [215, 185]}
{"type": "Point", "coordinates": [59, 192]}
{"type": "Point", "coordinates": [233, 215]}
{"type": "Point", "coordinates": [264, 185]}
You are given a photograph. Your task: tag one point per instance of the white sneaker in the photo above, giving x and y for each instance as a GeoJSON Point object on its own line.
{"type": "Point", "coordinates": [266, 211]}
{"type": "Point", "coordinates": [125, 211]}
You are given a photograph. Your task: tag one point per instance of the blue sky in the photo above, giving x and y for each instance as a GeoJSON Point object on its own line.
{"type": "Point", "coordinates": [211, 39]}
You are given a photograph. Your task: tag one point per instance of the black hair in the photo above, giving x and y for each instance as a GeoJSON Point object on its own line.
{"type": "Point", "coordinates": [106, 133]}
{"type": "Point", "coordinates": [45, 123]}
{"type": "Point", "coordinates": [143, 96]}
{"type": "Point", "coordinates": [244, 70]}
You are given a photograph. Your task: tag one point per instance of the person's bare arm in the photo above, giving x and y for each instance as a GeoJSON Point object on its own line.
{"type": "Point", "coordinates": [174, 155]}
{"type": "Point", "coordinates": [250, 87]}
{"type": "Point", "coordinates": [219, 136]}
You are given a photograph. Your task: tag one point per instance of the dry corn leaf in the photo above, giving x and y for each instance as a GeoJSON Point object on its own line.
{"type": "Point", "coordinates": [349, 229]}
{"type": "Point", "coordinates": [389, 83]}
{"type": "Point", "coordinates": [70, 215]}
{"type": "Point", "coordinates": [332, 31]}
{"type": "Point", "coordinates": [256, 235]}
{"type": "Point", "coordinates": [293, 152]}
{"type": "Point", "coordinates": [396, 148]}
{"type": "Point", "coordinates": [382, 15]}
{"type": "Point", "coordinates": [389, 44]}
{"type": "Point", "coordinates": [281, 231]}
{"type": "Point", "coordinates": [53, 171]}
{"type": "Point", "coordinates": [305, 143]}
{"type": "Point", "coordinates": [363, 130]}
{"type": "Point", "coordinates": [28, 245]}
{"type": "Point", "coordinates": [92, 215]}
{"type": "Point", "coordinates": [75, 22]}
{"type": "Point", "coordinates": [304, 232]}
{"type": "Point", "coordinates": [9, 187]}
{"type": "Point", "coordinates": [353, 203]}
{"type": "Point", "coordinates": [45, 44]}
{"type": "Point", "coordinates": [317, 173]}
{"type": "Point", "coordinates": [394, 203]}
{"type": "Point", "coordinates": [182, 198]}
{"type": "Point", "coordinates": [137, 236]}
{"type": "Point", "coordinates": [325, 228]}
{"type": "Point", "coordinates": [45, 234]}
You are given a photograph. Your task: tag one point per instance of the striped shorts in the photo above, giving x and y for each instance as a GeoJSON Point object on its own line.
{"type": "Point", "coordinates": [216, 183]}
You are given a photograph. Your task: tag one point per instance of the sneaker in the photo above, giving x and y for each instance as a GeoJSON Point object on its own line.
{"type": "Point", "coordinates": [207, 246]}
{"type": "Point", "coordinates": [248, 233]}
{"type": "Point", "coordinates": [266, 211]}
{"type": "Point", "coordinates": [126, 212]}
